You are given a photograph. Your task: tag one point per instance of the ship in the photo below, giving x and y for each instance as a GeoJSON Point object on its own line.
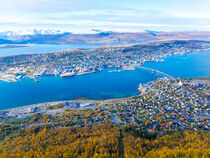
{"type": "Point", "coordinates": [69, 74]}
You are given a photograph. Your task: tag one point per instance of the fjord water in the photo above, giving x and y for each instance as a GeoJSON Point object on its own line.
{"type": "Point", "coordinates": [101, 85]}
{"type": "Point", "coordinates": [42, 48]}
{"type": "Point", "coordinates": [193, 65]}
{"type": "Point", "coordinates": [46, 48]}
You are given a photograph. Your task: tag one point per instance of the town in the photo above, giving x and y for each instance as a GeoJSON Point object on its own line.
{"type": "Point", "coordinates": [82, 61]}
{"type": "Point", "coordinates": [162, 105]}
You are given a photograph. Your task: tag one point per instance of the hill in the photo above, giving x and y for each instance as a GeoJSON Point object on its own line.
{"type": "Point", "coordinates": [47, 37]}
{"type": "Point", "coordinates": [103, 141]}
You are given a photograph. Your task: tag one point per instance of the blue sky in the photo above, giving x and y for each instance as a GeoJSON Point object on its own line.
{"type": "Point", "coordinates": [107, 15]}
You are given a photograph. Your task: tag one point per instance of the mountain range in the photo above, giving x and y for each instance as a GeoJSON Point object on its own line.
{"type": "Point", "coordinates": [57, 36]}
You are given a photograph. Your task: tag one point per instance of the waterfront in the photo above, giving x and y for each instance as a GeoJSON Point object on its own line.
{"type": "Point", "coordinates": [83, 61]}
{"type": "Point", "coordinates": [101, 85]}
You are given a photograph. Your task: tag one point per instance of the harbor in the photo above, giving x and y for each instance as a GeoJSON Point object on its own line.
{"type": "Point", "coordinates": [101, 84]}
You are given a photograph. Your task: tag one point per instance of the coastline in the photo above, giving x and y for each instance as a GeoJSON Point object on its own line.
{"type": "Point", "coordinates": [126, 68]}
{"type": "Point", "coordinates": [29, 109]}
{"type": "Point", "coordinates": [12, 46]}
{"type": "Point", "coordinates": [8, 79]}
{"type": "Point", "coordinates": [44, 108]}
{"type": "Point", "coordinates": [132, 65]}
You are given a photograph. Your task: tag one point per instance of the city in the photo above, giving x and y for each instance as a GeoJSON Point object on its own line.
{"type": "Point", "coordinates": [105, 79]}
{"type": "Point", "coordinates": [82, 61]}
{"type": "Point", "coordinates": [162, 105]}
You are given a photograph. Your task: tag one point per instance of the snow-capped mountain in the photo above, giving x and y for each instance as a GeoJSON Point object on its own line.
{"type": "Point", "coordinates": [59, 37]}
{"type": "Point", "coordinates": [9, 34]}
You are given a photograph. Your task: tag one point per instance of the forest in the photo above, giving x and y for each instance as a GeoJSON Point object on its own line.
{"type": "Point", "coordinates": [106, 140]}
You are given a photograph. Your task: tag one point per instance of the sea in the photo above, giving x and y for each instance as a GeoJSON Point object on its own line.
{"type": "Point", "coordinates": [100, 85]}
{"type": "Point", "coordinates": [42, 48]}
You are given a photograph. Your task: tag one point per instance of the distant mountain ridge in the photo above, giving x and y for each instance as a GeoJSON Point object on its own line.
{"type": "Point", "coordinates": [57, 36]}
{"type": "Point", "coordinates": [30, 32]}
{"type": "Point", "coordinates": [3, 41]}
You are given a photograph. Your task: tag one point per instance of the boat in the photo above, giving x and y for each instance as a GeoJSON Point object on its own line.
{"type": "Point", "coordinates": [69, 74]}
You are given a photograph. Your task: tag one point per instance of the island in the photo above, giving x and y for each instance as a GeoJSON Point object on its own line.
{"type": "Point", "coordinates": [68, 63]}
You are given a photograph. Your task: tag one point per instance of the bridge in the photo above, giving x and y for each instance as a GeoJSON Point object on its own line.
{"type": "Point", "coordinates": [159, 72]}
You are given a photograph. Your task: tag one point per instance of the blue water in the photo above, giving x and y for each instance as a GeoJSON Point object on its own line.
{"type": "Point", "coordinates": [42, 48]}
{"type": "Point", "coordinates": [102, 85]}
{"type": "Point", "coordinates": [193, 65]}
{"type": "Point", "coordinates": [46, 48]}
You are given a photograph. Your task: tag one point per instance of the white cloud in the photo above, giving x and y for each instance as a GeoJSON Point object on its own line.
{"type": "Point", "coordinates": [87, 14]}
{"type": "Point", "coordinates": [42, 5]}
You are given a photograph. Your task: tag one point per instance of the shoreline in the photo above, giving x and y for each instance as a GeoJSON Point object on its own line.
{"type": "Point", "coordinates": [8, 80]}
{"type": "Point", "coordinates": [126, 68]}
{"type": "Point", "coordinates": [12, 46]}
{"type": "Point", "coordinates": [100, 101]}
{"type": "Point", "coordinates": [104, 100]}
{"type": "Point", "coordinates": [46, 104]}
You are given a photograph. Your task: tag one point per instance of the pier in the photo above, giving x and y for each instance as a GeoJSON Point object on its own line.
{"type": "Point", "coordinates": [36, 80]}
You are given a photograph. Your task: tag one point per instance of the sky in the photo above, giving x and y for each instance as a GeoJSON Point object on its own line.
{"type": "Point", "coordinates": [84, 16]}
